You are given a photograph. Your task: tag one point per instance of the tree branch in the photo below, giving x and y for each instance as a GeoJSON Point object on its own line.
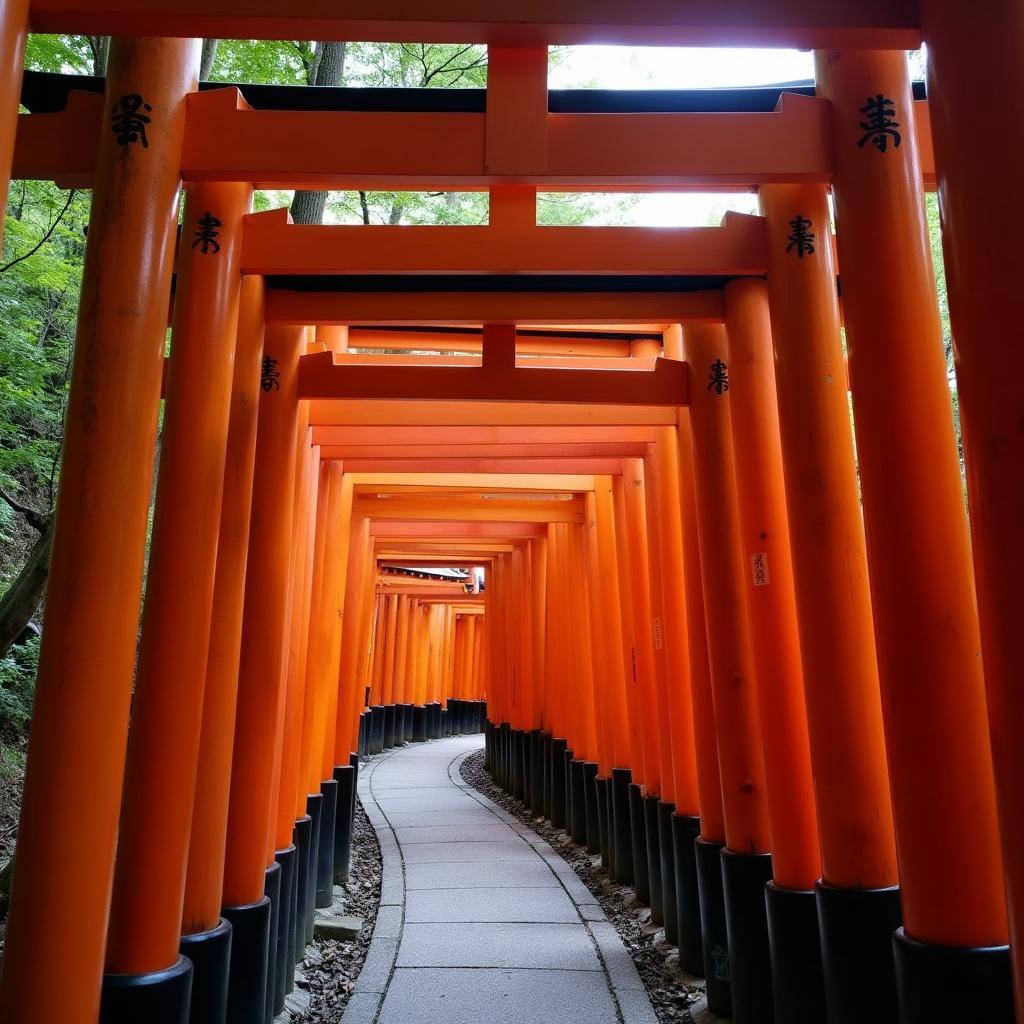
{"type": "Point", "coordinates": [42, 241]}
{"type": "Point", "coordinates": [37, 520]}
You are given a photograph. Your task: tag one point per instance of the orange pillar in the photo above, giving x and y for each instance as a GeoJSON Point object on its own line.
{"type": "Point", "coordinates": [635, 526]}
{"type": "Point", "coordinates": [746, 864]}
{"type": "Point", "coordinates": [83, 690]}
{"type": "Point", "coordinates": [13, 36]}
{"type": "Point", "coordinates": [261, 669]}
{"type": "Point", "coordinates": [975, 78]}
{"type": "Point", "coordinates": [321, 614]}
{"type": "Point", "coordinates": [922, 583]}
{"type": "Point", "coordinates": [797, 986]}
{"type": "Point", "coordinates": [837, 646]}
{"type": "Point", "coordinates": [163, 748]}
{"type": "Point", "coordinates": [627, 621]}
{"type": "Point", "coordinates": [340, 514]}
{"type": "Point", "coordinates": [205, 873]}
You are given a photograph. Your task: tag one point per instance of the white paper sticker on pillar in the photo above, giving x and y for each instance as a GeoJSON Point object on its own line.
{"type": "Point", "coordinates": [657, 634]}
{"type": "Point", "coordinates": [759, 569]}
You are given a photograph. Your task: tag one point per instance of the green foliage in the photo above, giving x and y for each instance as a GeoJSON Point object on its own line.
{"type": "Point", "coordinates": [40, 281]}
{"type": "Point", "coordinates": [17, 687]}
{"type": "Point", "coordinates": [71, 55]}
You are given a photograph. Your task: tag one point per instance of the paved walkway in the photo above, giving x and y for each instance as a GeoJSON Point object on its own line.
{"type": "Point", "coordinates": [480, 921]}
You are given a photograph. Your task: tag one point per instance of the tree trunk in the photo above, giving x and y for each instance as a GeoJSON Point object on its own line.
{"type": "Point", "coordinates": [23, 597]}
{"type": "Point", "coordinates": [207, 59]}
{"type": "Point", "coordinates": [308, 206]}
{"type": "Point", "coordinates": [100, 46]}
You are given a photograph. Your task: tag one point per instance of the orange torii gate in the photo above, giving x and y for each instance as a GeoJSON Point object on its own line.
{"type": "Point", "coordinates": [905, 591]}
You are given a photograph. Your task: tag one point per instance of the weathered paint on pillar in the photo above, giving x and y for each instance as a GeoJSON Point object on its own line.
{"type": "Point", "coordinates": [83, 690]}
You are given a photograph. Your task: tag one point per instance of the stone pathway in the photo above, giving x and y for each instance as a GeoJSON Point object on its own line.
{"type": "Point", "coordinates": [480, 920]}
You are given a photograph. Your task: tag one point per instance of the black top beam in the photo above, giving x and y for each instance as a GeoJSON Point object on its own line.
{"type": "Point", "coordinates": [46, 93]}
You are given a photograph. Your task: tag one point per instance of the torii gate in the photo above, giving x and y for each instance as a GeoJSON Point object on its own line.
{"type": "Point", "coordinates": [930, 675]}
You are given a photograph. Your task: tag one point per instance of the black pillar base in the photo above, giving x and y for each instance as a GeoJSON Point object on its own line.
{"type": "Point", "coordinates": [377, 715]}
{"type": "Point", "coordinates": [325, 850]}
{"type": "Point", "coordinates": [590, 797]}
{"type": "Point", "coordinates": [667, 867]}
{"type": "Point", "coordinates": [158, 998]}
{"type": "Point", "coordinates": [603, 831]}
{"type": "Point", "coordinates": [283, 964]}
{"type": "Point", "coordinates": [744, 876]}
{"type": "Point", "coordinates": [364, 734]}
{"type": "Point", "coordinates": [518, 764]}
{"type": "Point", "coordinates": [249, 970]}
{"type": "Point", "coordinates": [689, 934]}
{"type": "Point", "coordinates": [307, 896]}
{"type": "Point", "coordinates": [715, 941]}
{"type": "Point", "coordinates": [536, 774]}
{"type": "Point", "coordinates": [446, 722]}
{"type": "Point", "coordinates": [638, 843]}
{"type": "Point", "coordinates": [390, 720]}
{"type": "Point", "coordinates": [547, 779]}
{"type": "Point", "coordinates": [345, 777]}
{"type": "Point", "coordinates": [798, 986]}
{"type": "Point", "coordinates": [567, 759]}
{"type": "Point", "coordinates": [404, 724]}
{"type": "Point", "coordinates": [578, 802]}
{"type": "Point", "coordinates": [272, 890]}
{"type": "Point", "coordinates": [856, 944]}
{"type": "Point", "coordinates": [303, 844]}
{"type": "Point", "coordinates": [419, 723]}
{"type": "Point", "coordinates": [210, 953]}
{"type": "Point", "coordinates": [558, 808]}
{"type": "Point", "coordinates": [951, 984]}
{"type": "Point", "coordinates": [622, 858]}
{"type": "Point", "coordinates": [653, 849]}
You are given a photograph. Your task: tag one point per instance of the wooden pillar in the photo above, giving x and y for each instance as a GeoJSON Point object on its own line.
{"type": "Point", "coordinates": [635, 524]}
{"type": "Point", "coordinates": [13, 36]}
{"type": "Point", "coordinates": [205, 873]}
{"type": "Point", "coordinates": [922, 582]}
{"type": "Point", "coordinates": [83, 690]}
{"type": "Point", "coordinates": [975, 79]}
{"type": "Point", "coordinates": [261, 666]}
{"type": "Point", "coordinates": [339, 542]}
{"type": "Point", "coordinates": [746, 864]}
{"type": "Point", "coordinates": [797, 985]}
{"type": "Point", "coordinates": [163, 748]}
{"type": "Point", "coordinates": [858, 902]}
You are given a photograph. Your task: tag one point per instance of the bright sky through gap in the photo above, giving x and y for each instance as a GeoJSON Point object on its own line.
{"type": "Point", "coordinates": [665, 67]}
{"type": "Point", "coordinates": [670, 67]}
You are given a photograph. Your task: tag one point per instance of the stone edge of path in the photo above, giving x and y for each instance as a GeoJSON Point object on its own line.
{"type": "Point", "coordinates": [371, 986]}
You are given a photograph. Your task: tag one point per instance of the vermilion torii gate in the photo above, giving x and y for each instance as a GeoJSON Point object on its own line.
{"type": "Point", "coordinates": [838, 647]}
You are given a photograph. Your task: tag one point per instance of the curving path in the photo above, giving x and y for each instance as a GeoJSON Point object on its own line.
{"type": "Point", "coordinates": [481, 921]}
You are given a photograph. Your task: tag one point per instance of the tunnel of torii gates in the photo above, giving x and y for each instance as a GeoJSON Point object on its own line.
{"type": "Point", "coordinates": [776, 686]}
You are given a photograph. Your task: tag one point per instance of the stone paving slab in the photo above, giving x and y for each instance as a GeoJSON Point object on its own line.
{"type": "Point", "coordinates": [413, 834]}
{"type": "Point", "coordinates": [469, 815]}
{"type": "Point", "coordinates": [491, 996]}
{"type": "Point", "coordinates": [452, 853]}
{"type": "Point", "coordinates": [529, 906]}
{"type": "Point", "coordinates": [481, 922]}
{"type": "Point", "coordinates": [540, 946]}
{"type": "Point", "coordinates": [476, 876]}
